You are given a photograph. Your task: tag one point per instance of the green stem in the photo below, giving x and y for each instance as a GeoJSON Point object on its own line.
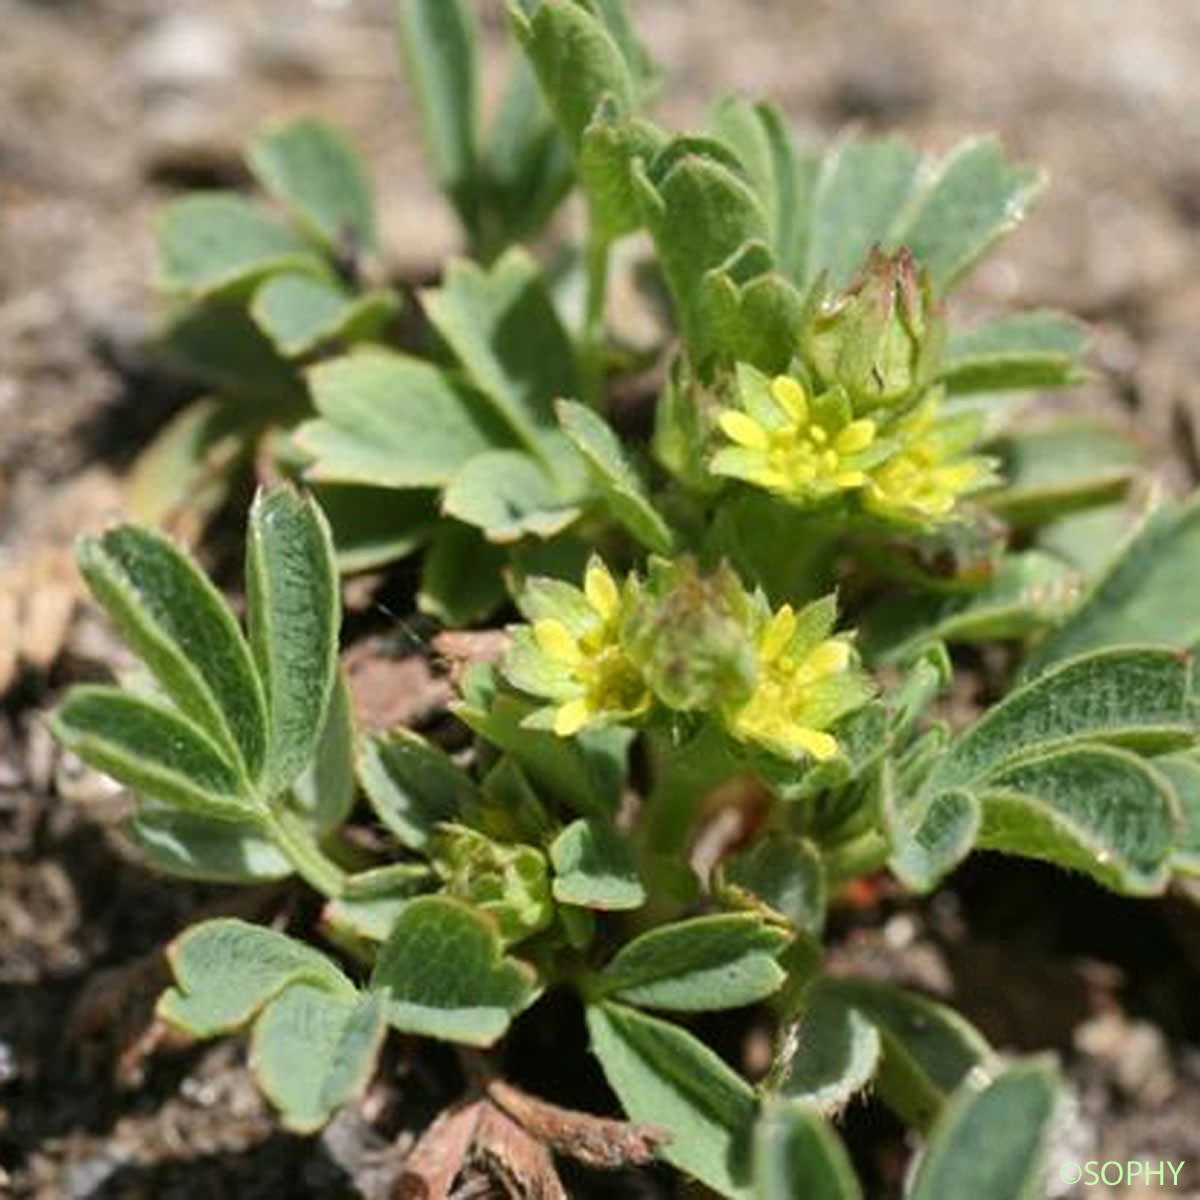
{"type": "Point", "coordinates": [861, 856]}
{"type": "Point", "coordinates": [594, 345]}
{"type": "Point", "coordinates": [299, 846]}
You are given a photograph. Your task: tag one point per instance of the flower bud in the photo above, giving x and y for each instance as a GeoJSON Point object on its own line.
{"type": "Point", "coordinates": [689, 636]}
{"type": "Point", "coordinates": [880, 340]}
{"type": "Point", "coordinates": [508, 882]}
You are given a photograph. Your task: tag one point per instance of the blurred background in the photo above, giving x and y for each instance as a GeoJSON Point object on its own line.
{"type": "Point", "coordinates": [109, 106]}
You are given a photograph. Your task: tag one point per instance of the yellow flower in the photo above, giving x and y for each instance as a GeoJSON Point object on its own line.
{"type": "Point", "coordinates": [572, 653]}
{"type": "Point", "coordinates": [806, 680]}
{"type": "Point", "coordinates": [928, 474]}
{"type": "Point", "coordinates": [800, 447]}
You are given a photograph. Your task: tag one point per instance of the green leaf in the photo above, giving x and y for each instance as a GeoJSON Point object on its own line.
{"type": "Point", "coordinates": [829, 1055]}
{"type": "Point", "coordinates": [1127, 696]}
{"type": "Point", "coordinates": [462, 580]}
{"type": "Point", "coordinates": [213, 242]}
{"type": "Point", "coordinates": [594, 438]}
{"type": "Point", "coordinates": [412, 786]}
{"type": "Point", "coordinates": [1147, 594]}
{"type": "Point", "coordinates": [187, 470]}
{"type": "Point", "coordinates": [666, 1077]}
{"type": "Point", "coordinates": [478, 312]}
{"type": "Point", "coordinates": [393, 421]}
{"type": "Point", "coordinates": [372, 901]}
{"type": "Point", "coordinates": [1091, 808]}
{"type": "Point", "coordinates": [928, 835]}
{"type": "Point", "coordinates": [595, 868]}
{"type": "Point", "coordinates": [508, 495]}
{"type": "Point", "coordinates": [586, 772]}
{"type": "Point", "coordinates": [1060, 469]}
{"type": "Point", "coordinates": [151, 749]}
{"type": "Point", "coordinates": [321, 182]}
{"type": "Point", "coordinates": [443, 974]}
{"type": "Point", "coordinates": [782, 179]}
{"type": "Point", "coordinates": [1182, 772]}
{"type": "Point", "coordinates": [992, 1140]}
{"type": "Point", "coordinates": [577, 61]}
{"type": "Point", "coordinates": [784, 872]}
{"type": "Point", "coordinates": [975, 198]}
{"type": "Point", "coordinates": [187, 845]}
{"type": "Point", "coordinates": [375, 526]}
{"type": "Point", "coordinates": [325, 789]}
{"type": "Point", "coordinates": [226, 970]}
{"type": "Point", "coordinates": [294, 613]}
{"type": "Point", "coordinates": [611, 145]}
{"type": "Point", "coordinates": [796, 1153]}
{"type": "Point", "coordinates": [299, 312]}
{"type": "Point", "coordinates": [438, 40]}
{"type": "Point", "coordinates": [1088, 541]}
{"type": "Point", "coordinates": [1029, 350]}
{"type": "Point", "coordinates": [176, 622]}
{"type": "Point", "coordinates": [752, 310]}
{"type": "Point", "coordinates": [698, 965]}
{"type": "Point", "coordinates": [1028, 592]}
{"type": "Point", "coordinates": [863, 184]}
{"type": "Point", "coordinates": [700, 211]}
{"type": "Point", "coordinates": [313, 1051]}
{"type": "Point", "coordinates": [928, 1049]}
{"type": "Point", "coordinates": [219, 344]}
{"type": "Point", "coordinates": [528, 163]}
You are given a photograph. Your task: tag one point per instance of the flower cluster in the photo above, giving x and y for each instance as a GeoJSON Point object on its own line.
{"type": "Point", "coordinates": [678, 641]}
{"type": "Point", "coordinates": [860, 419]}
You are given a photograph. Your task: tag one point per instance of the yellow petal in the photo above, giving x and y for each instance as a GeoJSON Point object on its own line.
{"type": "Point", "coordinates": [556, 641]}
{"type": "Point", "coordinates": [778, 633]}
{"type": "Point", "coordinates": [601, 589]}
{"type": "Point", "coordinates": [571, 717]}
{"type": "Point", "coordinates": [827, 659]}
{"type": "Point", "coordinates": [858, 435]}
{"type": "Point", "coordinates": [743, 430]}
{"type": "Point", "coordinates": [789, 395]}
{"type": "Point", "coordinates": [850, 479]}
{"type": "Point", "coordinates": [821, 746]}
